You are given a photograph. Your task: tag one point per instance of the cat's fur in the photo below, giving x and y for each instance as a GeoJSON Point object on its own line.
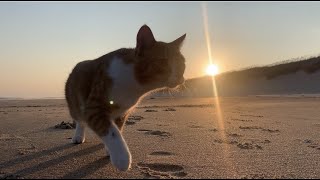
{"type": "Point", "coordinates": [101, 92]}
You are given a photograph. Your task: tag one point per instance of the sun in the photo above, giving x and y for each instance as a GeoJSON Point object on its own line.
{"type": "Point", "coordinates": [212, 70]}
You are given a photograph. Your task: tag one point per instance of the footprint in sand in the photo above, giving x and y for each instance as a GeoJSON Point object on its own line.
{"type": "Point", "coordinates": [220, 141]}
{"type": "Point", "coordinates": [155, 133]}
{"type": "Point", "coordinates": [258, 128]}
{"type": "Point", "coordinates": [234, 135]}
{"type": "Point", "coordinates": [311, 144]}
{"type": "Point", "coordinates": [242, 120]}
{"type": "Point", "coordinates": [150, 110]}
{"type": "Point", "coordinates": [271, 130]}
{"type": "Point", "coordinates": [248, 145]}
{"type": "Point", "coordinates": [161, 170]}
{"type": "Point", "coordinates": [17, 144]}
{"type": "Point", "coordinates": [133, 119]}
{"type": "Point", "coordinates": [161, 153]}
{"type": "Point", "coordinates": [9, 176]}
{"type": "Point", "coordinates": [144, 130]}
{"type": "Point", "coordinates": [247, 115]}
{"type": "Point", "coordinates": [316, 125]}
{"type": "Point", "coordinates": [213, 130]}
{"type": "Point", "coordinates": [241, 145]}
{"type": "Point", "coordinates": [169, 109]}
{"type": "Point", "coordinates": [65, 125]}
{"type": "Point", "coordinates": [161, 125]}
{"type": "Point", "coordinates": [130, 122]}
{"type": "Point", "coordinates": [195, 126]}
{"type": "Point", "coordinates": [250, 127]}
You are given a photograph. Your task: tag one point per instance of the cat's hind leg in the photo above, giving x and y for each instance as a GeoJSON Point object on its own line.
{"type": "Point", "coordinates": [79, 136]}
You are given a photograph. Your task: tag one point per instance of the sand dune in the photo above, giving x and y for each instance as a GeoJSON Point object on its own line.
{"type": "Point", "coordinates": [286, 78]}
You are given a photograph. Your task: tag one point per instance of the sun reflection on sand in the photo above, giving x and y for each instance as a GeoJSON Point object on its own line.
{"type": "Point", "coordinates": [219, 115]}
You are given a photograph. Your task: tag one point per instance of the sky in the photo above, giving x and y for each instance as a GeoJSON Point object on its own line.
{"type": "Point", "coordinates": [40, 42]}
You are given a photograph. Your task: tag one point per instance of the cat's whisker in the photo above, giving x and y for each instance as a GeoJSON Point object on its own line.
{"type": "Point", "coordinates": [186, 87]}
{"type": "Point", "coordinates": [173, 90]}
{"type": "Point", "coordinates": [169, 91]}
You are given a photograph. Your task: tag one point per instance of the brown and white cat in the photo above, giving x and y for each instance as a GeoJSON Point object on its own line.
{"type": "Point", "coordinates": [101, 92]}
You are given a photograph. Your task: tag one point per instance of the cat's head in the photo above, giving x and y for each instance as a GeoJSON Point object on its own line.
{"type": "Point", "coordinates": [159, 62]}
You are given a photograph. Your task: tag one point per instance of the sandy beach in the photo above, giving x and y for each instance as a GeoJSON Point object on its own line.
{"type": "Point", "coordinates": [246, 137]}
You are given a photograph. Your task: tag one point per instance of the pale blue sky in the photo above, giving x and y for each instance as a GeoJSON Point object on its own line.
{"type": "Point", "coordinates": [41, 42]}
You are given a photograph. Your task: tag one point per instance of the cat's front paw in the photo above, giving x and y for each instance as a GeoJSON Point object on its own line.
{"type": "Point", "coordinates": [121, 162]}
{"type": "Point", "coordinates": [116, 146]}
{"type": "Point", "coordinates": [78, 139]}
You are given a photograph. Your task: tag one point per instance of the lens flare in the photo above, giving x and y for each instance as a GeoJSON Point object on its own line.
{"type": "Point", "coordinates": [207, 35]}
{"type": "Point", "coordinates": [214, 70]}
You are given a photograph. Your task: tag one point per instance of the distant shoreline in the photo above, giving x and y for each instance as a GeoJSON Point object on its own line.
{"type": "Point", "coordinates": [19, 98]}
{"type": "Point", "coordinates": [311, 95]}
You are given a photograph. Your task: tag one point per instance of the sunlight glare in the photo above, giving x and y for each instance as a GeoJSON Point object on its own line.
{"type": "Point", "coordinates": [212, 70]}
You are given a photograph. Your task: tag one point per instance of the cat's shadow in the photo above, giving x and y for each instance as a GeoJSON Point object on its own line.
{"type": "Point", "coordinates": [40, 166]}
{"type": "Point", "coordinates": [88, 169]}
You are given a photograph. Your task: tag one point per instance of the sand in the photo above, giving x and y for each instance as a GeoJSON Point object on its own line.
{"type": "Point", "coordinates": [260, 137]}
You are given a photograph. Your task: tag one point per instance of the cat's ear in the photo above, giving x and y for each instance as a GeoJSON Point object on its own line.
{"type": "Point", "coordinates": [178, 42]}
{"type": "Point", "coordinates": [145, 40]}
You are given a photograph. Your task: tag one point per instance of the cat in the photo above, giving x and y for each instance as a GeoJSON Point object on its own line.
{"type": "Point", "coordinates": [100, 93]}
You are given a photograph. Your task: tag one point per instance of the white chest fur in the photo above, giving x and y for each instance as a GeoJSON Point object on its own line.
{"type": "Point", "coordinates": [125, 91]}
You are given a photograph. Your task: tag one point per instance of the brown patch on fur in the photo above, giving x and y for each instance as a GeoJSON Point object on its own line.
{"type": "Point", "coordinates": [86, 91]}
